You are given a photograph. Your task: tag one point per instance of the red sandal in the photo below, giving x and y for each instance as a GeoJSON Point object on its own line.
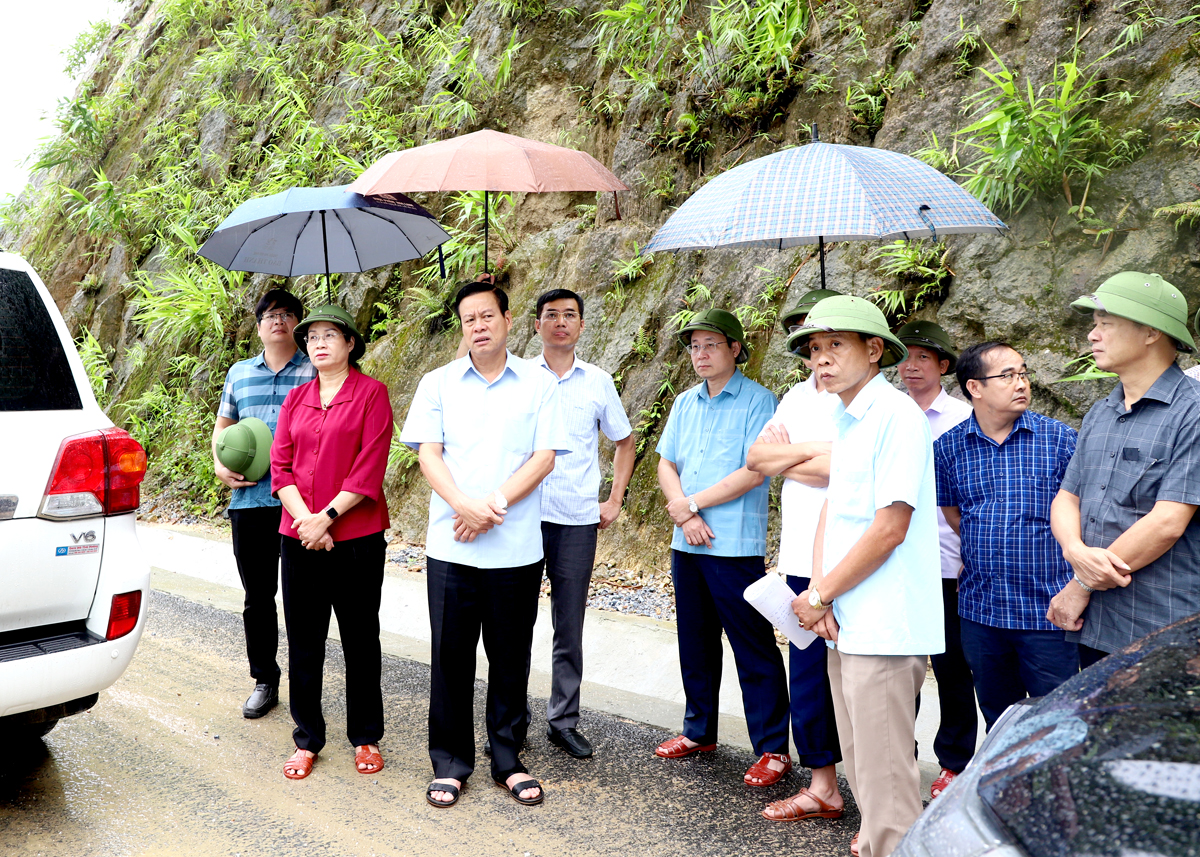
{"type": "Point", "coordinates": [299, 766]}
{"type": "Point", "coordinates": [761, 774]}
{"type": "Point", "coordinates": [677, 748]}
{"type": "Point", "coordinates": [372, 760]}
{"type": "Point", "coordinates": [790, 809]}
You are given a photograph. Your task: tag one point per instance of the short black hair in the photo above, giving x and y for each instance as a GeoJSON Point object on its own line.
{"type": "Point", "coordinates": [971, 366]}
{"type": "Point", "coordinates": [558, 295]}
{"type": "Point", "coordinates": [480, 288]}
{"type": "Point", "coordinates": [280, 298]}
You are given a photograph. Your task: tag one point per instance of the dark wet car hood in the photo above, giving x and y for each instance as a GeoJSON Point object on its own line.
{"type": "Point", "coordinates": [1110, 762]}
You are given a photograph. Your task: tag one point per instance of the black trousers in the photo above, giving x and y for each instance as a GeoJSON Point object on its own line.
{"type": "Point", "coordinates": [708, 599]}
{"type": "Point", "coordinates": [570, 556]}
{"type": "Point", "coordinates": [256, 549]}
{"type": "Point", "coordinates": [463, 602]}
{"type": "Point", "coordinates": [349, 582]}
{"type": "Point", "coordinates": [954, 744]}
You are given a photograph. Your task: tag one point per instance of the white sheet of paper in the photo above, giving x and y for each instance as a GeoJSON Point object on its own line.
{"type": "Point", "coordinates": [772, 597]}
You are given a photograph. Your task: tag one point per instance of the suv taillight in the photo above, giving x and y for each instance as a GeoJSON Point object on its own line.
{"type": "Point", "coordinates": [97, 473]}
{"type": "Point", "coordinates": [123, 616]}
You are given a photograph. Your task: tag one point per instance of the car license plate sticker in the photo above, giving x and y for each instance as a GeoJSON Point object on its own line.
{"type": "Point", "coordinates": [76, 550]}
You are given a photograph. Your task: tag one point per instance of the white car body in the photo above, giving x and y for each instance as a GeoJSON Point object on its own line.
{"type": "Point", "coordinates": [58, 577]}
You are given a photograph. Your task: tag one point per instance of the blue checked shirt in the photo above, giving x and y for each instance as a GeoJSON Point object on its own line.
{"type": "Point", "coordinates": [253, 390]}
{"type": "Point", "coordinates": [707, 438]}
{"type": "Point", "coordinates": [570, 495]}
{"type": "Point", "coordinates": [1012, 565]}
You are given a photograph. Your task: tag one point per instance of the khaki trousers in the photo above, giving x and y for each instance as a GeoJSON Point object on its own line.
{"type": "Point", "coordinates": [874, 703]}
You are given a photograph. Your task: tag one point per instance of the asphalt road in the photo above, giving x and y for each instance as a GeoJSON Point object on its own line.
{"type": "Point", "coordinates": [165, 764]}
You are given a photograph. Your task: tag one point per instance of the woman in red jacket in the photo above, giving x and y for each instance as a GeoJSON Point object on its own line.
{"type": "Point", "coordinates": [327, 464]}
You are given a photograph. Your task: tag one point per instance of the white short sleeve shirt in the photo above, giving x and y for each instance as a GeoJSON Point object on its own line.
{"type": "Point", "coordinates": [807, 415]}
{"type": "Point", "coordinates": [488, 430]}
{"type": "Point", "coordinates": [884, 454]}
{"type": "Point", "coordinates": [944, 414]}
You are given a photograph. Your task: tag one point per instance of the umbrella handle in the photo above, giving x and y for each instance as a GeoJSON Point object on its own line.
{"type": "Point", "coordinates": [932, 229]}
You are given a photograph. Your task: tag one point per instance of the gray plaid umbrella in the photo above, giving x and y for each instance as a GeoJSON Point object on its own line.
{"type": "Point", "coordinates": [823, 192]}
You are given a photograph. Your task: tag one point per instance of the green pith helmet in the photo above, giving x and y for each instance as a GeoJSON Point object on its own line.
{"type": "Point", "coordinates": [245, 448]}
{"type": "Point", "coordinates": [803, 306]}
{"type": "Point", "coordinates": [1145, 298]}
{"type": "Point", "coordinates": [926, 334]}
{"type": "Point", "coordinates": [335, 315]}
{"type": "Point", "coordinates": [718, 321]}
{"type": "Point", "coordinates": [848, 313]}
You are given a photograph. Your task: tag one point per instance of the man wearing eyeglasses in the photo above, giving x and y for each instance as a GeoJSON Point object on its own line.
{"type": "Point", "coordinates": [997, 474]}
{"type": "Point", "coordinates": [719, 508]}
{"type": "Point", "coordinates": [257, 388]}
{"type": "Point", "coordinates": [1125, 516]}
{"type": "Point", "coordinates": [571, 510]}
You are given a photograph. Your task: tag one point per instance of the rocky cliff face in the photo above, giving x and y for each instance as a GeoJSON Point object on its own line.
{"type": "Point", "coordinates": [192, 106]}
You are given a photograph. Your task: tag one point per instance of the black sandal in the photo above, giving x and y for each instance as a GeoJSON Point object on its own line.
{"type": "Point", "coordinates": [516, 790]}
{"type": "Point", "coordinates": [437, 786]}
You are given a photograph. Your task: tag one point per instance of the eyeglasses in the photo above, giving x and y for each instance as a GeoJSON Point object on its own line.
{"type": "Point", "coordinates": [272, 317]}
{"type": "Point", "coordinates": [552, 316]}
{"type": "Point", "coordinates": [1011, 377]}
{"type": "Point", "coordinates": [794, 326]}
{"type": "Point", "coordinates": [328, 336]}
{"type": "Point", "coordinates": [706, 348]}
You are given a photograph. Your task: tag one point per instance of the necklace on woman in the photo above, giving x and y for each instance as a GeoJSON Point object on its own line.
{"type": "Point", "coordinates": [326, 402]}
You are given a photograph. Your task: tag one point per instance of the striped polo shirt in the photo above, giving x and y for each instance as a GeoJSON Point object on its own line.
{"type": "Point", "coordinates": [253, 390]}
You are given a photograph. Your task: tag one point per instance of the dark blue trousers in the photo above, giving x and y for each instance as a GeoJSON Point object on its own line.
{"type": "Point", "coordinates": [954, 744]}
{"type": "Point", "coordinates": [708, 599]}
{"type": "Point", "coordinates": [1010, 664]}
{"type": "Point", "coordinates": [814, 729]}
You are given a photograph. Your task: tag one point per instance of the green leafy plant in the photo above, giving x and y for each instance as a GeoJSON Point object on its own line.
{"type": "Point", "coordinates": [867, 100]}
{"type": "Point", "coordinates": [1087, 370]}
{"type": "Point", "coordinates": [969, 40]}
{"type": "Point", "coordinates": [96, 364]}
{"type": "Point", "coordinates": [1030, 143]}
{"type": "Point", "coordinates": [644, 343]}
{"type": "Point", "coordinates": [1143, 19]}
{"type": "Point", "coordinates": [625, 271]}
{"type": "Point", "coordinates": [921, 270]}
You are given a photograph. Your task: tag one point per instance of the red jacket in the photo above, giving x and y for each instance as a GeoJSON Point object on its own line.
{"type": "Point", "coordinates": [344, 448]}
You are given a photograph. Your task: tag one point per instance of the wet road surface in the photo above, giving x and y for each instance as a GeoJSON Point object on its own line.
{"type": "Point", "coordinates": [166, 764]}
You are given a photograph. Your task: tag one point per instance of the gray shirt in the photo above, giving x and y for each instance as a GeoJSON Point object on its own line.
{"type": "Point", "coordinates": [1125, 462]}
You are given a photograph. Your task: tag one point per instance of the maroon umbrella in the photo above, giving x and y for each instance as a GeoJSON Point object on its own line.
{"type": "Point", "coordinates": [488, 161]}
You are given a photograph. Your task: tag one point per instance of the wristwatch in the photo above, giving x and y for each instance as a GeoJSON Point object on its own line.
{"type": "Point", "coordinates": [331, 512]}
{"type": "Point", "coordinates": [692, 507]}
{"type": "Point", "coordinates": [814, 600]}
{"type": "Point", "coordinates": [501, 501]}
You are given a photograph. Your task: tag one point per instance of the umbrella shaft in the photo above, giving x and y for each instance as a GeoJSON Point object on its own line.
{"type": "Point", "coordinates": [485, 231]}
{"type": "Point", "coordinates": [821, 250]}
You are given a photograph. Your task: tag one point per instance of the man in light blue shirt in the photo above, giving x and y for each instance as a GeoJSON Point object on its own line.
{"type": "Point", "coordinates": [571, 509]}
{"type": "Point", "coordinates": [487, 428]}
{"type": "Point", "coordinates": [720, 512]}
{"type": "Point", "coordinates": [876, 562]}
{"type": "Point", "coordinates": [256, 388]}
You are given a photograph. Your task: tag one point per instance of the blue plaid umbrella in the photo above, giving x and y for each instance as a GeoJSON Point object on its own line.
{"type": "Point", "coordinates": [823, 192]}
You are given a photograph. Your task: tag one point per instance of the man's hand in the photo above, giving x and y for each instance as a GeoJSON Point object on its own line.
{"type": "Point", "coordinates": [1066, 608]}
{"type": "Point", "coordinates": [826, 627]}
{"type": "Point", "coordinates": [775, 434]}
{"type": "Point", "coordinates": [610, 510]}
{"type": "Point", "coordinates": [1099, 568]}
{"type": "Point", "coordinates": [696, 532]}
{"type": "Point", "coordinates": [805, 612]}
{"type": "Point", "coordinates": [311, 528]}
{"type": "Point", "coordinates": [474, 517]}
{"type": "Point", "coordinates": [228, 477]}
{"type": "Point", "coordinates": [680, 511]}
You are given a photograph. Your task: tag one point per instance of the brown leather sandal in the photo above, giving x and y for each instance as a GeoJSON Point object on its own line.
{"type": "Point", "coordinates": [299, 766]}
{"type": "Point", "coordinates": [762, 774]}
{"type": "Point", "coordinates": [790, 809]}
{"type": "Point", "coordinates": [363, 756]}
{"type": "Point", "coordinates": [677, 748]}
{"type": "Point", "coordinates": [854, 846]}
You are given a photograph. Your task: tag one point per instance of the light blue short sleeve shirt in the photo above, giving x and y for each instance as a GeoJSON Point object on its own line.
{"type": "Point", "coordinates": [487, 431]}
{"type": "Point", "coordinates": [884, 454]}
{"type": "Point", "coordinates": [590, 404]}
{"type": "Point", "coordinates": [707, 439]}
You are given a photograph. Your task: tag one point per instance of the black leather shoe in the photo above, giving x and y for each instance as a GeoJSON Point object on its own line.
{"type": "Point", "coordinates": [572, 741]}
{"type": "Point", "coordinates": [263, 699]}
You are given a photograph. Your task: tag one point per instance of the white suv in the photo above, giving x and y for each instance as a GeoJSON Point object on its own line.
{"type": "Point", "coordinates": [73, 581]}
